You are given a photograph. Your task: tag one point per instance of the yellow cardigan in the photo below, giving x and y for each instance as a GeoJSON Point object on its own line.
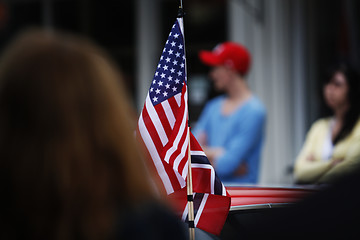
{"type": "Point", "coordinates": [319, 170]}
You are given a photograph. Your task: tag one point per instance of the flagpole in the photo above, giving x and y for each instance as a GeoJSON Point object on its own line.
{"type": "Point", "coordinates": [190, 196]}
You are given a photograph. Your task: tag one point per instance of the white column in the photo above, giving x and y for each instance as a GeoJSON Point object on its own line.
{"type": "Point", "coordinates": [147, 43]}
{"type": "Point", "coordinates": [299, 73]}
{"type": "Point", "coordinates": [270, 77]}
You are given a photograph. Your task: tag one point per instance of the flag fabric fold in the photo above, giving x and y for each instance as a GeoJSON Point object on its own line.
{"type": "Point", "coordinates": [163, 130]}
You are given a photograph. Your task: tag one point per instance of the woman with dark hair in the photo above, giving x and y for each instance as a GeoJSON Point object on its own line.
{"type": "Point", "coordinates": [69, 165]}
{"type": "Point", "coordinates": [332, 146]}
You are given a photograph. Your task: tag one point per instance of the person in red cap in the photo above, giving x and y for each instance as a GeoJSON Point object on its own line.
{"type": "Point", "coordinates": [231, 126]}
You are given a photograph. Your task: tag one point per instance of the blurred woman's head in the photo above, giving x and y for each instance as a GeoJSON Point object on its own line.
{"type": "Point", "coordinates": [336, 92]}
{"type": "Point", "coordinates": [341, 91]}
{"type": "Point", "coordinates": [67, 153]}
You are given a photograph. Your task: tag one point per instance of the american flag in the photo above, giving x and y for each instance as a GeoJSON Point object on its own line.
{"type": "Point", "coordinates": [164, 119]}
{"type": "Point", "coordinates": [163, 129]}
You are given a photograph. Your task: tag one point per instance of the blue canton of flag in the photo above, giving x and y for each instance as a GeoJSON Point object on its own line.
{"type": "Point", "coordinates": [170, 73]}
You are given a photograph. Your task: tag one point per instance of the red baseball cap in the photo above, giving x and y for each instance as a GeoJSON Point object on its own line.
{"type": "Point", "coordinates": [229, 54]}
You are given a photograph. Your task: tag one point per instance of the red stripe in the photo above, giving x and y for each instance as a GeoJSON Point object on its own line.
{"type": "Point", "coordinates": [152, 130]}
{"type": "Point", "coordinates": [158, 145]}
{"type": "Point", "coordinates": [178, 150]}
{"type": "Point", "coordinates": [183, 161]}
{"type": "Point", "coordinates": [179, 116]}
{"type": "Point", "coordinates": [173, 104]}
{"type": "Point", "coordinates": [150, 162]}
{"type": "Point", "coordinates": [164, 120]}
{"type": "Point", "coordinates": [168, 169]}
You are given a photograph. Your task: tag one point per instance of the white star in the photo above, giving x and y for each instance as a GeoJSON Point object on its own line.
{"type": "Point", "coordinates": [156, 73]}
{"type": "Point", "coordinates": [167, 86]}
{"type": "Point", "coordinates": [177, 54]}
{"type": "Point", "coordinates": [174, 89]}
{"type": "Point", "coordinates": [165, 67]}
{"type": "Point", "coordinates": [175, 62]}
{"type": "Point", "coordinates": [151, 89]}
{"type": "Point", "coordinates": [161, 58]}
{"type": "Point", "coordinates": [170, 33]}
{"type": "Point", "coordinates": [173, 44]}
{"type": "Point", "coordinates": [173, 26]}
{"type": "Point", "coordinates": [182, 65]}
{"type": "Point", "coordinates": [160, 83]}
{"type": "Point", "coordinates": [167, 41]}
{"type": "Point", "coordinates": [176, 35]}
{"type": "Point", "coordinates": [159, 65]}
{"type": "Point", "coordinates": [165, 94]}
{"type": "Point", "coordinates": [177, 81]}
{"type": "Point", "coordinates": [154, 81]}
{"type": "Point", "coordinates": [163, 75]}
{"type": "Point", "coordinates": [184, 57]}
{"type": "Point", "coordinates": [155, 99]}
{"type": "Point", "coordinates": [170, 52]}
{"type": "Point", "coordinates": [167, 59]}
{"type": "Point", "coordinates": [164, 50]}
{"type": "Point", "coordinates": [157, 91]}
{"type": "Point", "coordinates": [179, 73]}
{"type": "Point", "coordinates": [172, 70]}
{"type": "Point", "coordinates": [180, 46]}
{"type": "Point", "coordinates": [170, 78]}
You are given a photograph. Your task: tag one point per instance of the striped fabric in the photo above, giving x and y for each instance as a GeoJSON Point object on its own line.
{"type": "Point", "coordinates": [164, 119]}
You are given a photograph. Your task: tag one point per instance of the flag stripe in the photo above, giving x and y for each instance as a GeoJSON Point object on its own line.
{"type": "Point", "coordinates": [156, 121]}
{"type": "Point", "coordinates": [201, 208]}
{"type": "Point", "coordinates": [180, 128]}
{"type": "Point", "coordinates": [173, 105]}
{"type": "Point", "coordinates": [155, 156]}
{"type": "Point", "coordinates": [164, 119]}
{"type": "Point", "coordinates": [169, 113]}
{"type": "Point", "coordinates": [154, 136]}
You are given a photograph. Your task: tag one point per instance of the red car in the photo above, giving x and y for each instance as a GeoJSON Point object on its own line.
{"type": "Point", "coordinates": [265, 197]}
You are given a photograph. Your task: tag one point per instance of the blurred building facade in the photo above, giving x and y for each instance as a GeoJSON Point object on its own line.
{"type": "Point", "coordinates": [290, 41]}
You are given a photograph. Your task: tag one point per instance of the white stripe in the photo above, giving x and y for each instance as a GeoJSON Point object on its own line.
{"type": "Point", "coordinates": [178, 99]}
{"type": "Point", "coordinates": [185, 170]}
{"type": "Point", "coordinates": [182, 154]}
{"type": "Point", "coordinates": [155, 156]}
{"type": "Point", "coordinates": [169, 113]}
{"type": "Point", "coordinates": [212, 172]}
{"type": "Point", "coordinates": [201, 208]}
{"type": "Point", "coordinates": [197, 153]}
{"type": "Point", "coordinates": [180, 179]}
{"type": "Point", "coordinates": [175, 144]}
{"type": "Point", "coordinates": [156, 121]}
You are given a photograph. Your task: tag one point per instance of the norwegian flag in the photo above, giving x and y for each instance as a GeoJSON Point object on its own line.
{"type": "Point", "coordinates": [163, 129]}
{"type": "Point", "coordinates": [211, 200]}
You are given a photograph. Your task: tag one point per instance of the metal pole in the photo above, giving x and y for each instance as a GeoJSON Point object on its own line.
{"type": "Point", "coordinates": [190, 193]}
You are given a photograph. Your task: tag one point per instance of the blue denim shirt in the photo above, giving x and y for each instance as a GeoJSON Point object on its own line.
{"type": "Point", "coordinates": [240, 133]}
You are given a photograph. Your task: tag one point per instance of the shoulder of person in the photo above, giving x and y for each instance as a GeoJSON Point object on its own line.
{"type": "Point", "coordinates": [256, 105]}
{"type": "Point", "coordinates": [356, 130]}
{"type": "Point", "coordinates": [321, 122]}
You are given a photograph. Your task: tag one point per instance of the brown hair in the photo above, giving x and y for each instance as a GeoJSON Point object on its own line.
{"type": "Point", "coordinates": [68, 159]}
